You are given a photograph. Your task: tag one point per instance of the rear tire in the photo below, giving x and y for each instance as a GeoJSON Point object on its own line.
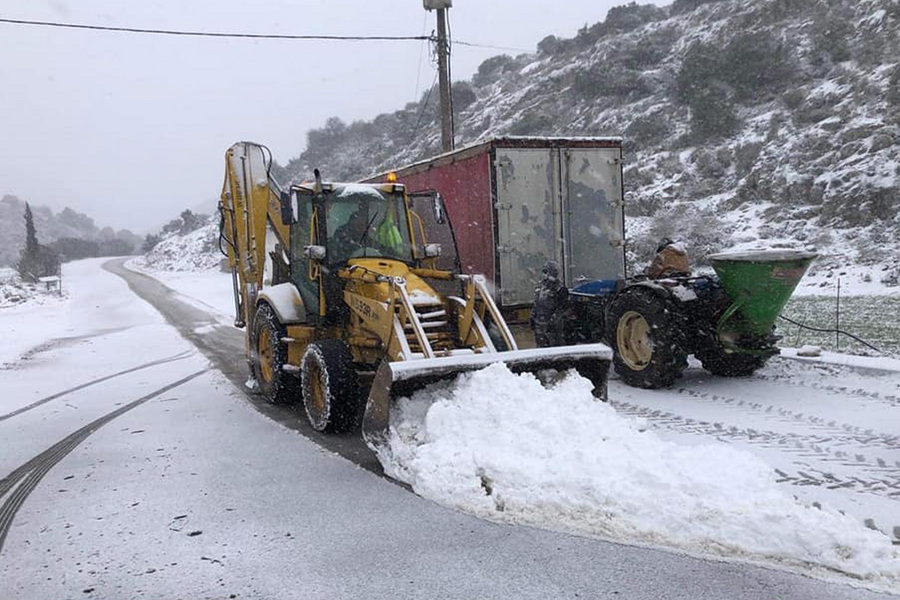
{"type": "Point", "coordinates": [269, 357]}
{"type": "Point", "coordinates": [722, 364]}
{"type": "Point", "coordinates": [331, 391]}
{"type": "Point", "coordinates": [641, 329]}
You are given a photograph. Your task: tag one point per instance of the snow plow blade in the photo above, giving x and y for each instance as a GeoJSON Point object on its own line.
{"type": "Point", "coordinates": [400, 379]}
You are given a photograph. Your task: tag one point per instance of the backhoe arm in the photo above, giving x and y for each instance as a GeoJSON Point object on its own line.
{"type": "Point", "coordinates": [250, 199]}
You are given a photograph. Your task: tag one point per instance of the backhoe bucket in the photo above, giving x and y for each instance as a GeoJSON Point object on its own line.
{"type": "Point", "coordinates": [400, 379]}
{"type": "Point", "coordinates": [759, 283]}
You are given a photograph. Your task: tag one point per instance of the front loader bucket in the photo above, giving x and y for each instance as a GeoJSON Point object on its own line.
{"type": "Point", "coordinates": [400, 379]}
{"type": "Point", "coordinates": [759, 283]}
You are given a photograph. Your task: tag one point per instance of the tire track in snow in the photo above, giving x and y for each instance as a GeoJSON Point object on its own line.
{"type": "Point", "coordinates": [884, 480]}
{"type": "Point", "coordinates": [781, 378]}
{"type": "Point", "coordinates": [54, 344]}
{"type": "Point", "coordinates": [845, 431]}
{"type": "Point", "coordinates": [26, 478]}
{"type": "Point", "coordinates": [162, 361]}
{"type": "Point", "coordinates": [812, 446]}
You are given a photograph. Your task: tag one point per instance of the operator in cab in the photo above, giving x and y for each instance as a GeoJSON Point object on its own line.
{"type": "Point", "coordinates": [349, 237]}
{"type": "Point", "coordinates": [358, 233]}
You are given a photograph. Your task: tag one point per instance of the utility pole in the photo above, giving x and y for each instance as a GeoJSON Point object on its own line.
{"type": "Point", "coordinates": [441, 7]}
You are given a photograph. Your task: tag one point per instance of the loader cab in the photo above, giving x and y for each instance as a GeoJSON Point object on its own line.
{"type": "Point", "coordinates": [332, 224]}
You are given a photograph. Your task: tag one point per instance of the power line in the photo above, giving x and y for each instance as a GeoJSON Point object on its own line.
{"type": "Point", "coordinates": [489, 47]}
{"type": "Point", "coordinates": [422, 110]}
{"type": "Point", "coordinates": [421, 54]}
{"type": "Point", "coordinates": [265, 36]}
{"type": "Point", "coordinates": [258, 36]}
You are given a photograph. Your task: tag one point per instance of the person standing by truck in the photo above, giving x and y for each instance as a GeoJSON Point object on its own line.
{"type": "Point", "coordinates": [548, 313]}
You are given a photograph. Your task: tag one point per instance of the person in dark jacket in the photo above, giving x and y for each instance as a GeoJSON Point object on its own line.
{"type": "Point", "coordinates": [548, 312]}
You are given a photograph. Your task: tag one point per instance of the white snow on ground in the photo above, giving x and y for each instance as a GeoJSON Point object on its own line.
{"type": "Point", "coordinates": [502, 446]}
{"type": "Point", "coordinates": [190, 264]}
{"type": "Point", "coordinates": [875, 363]}
{"type": "Point", "coordinates": [17, 293]}
{"type": "Point", "coordinates": [34, 324]}
{"type": "Point", "coordinates": [855, 280]}
{"type": "Point", "coordinates": [208, 289]}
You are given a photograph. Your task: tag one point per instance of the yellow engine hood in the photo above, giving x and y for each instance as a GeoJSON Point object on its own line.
{"type": "Point", "coordinates": [418, 290]}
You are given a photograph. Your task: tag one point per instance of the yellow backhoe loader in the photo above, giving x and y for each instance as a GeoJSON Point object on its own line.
{"type": "Point", "coordinates": [343, 297]}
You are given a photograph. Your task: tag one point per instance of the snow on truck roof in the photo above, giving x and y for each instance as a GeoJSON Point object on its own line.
{"type": "Point", "coordinates": [512, 141]}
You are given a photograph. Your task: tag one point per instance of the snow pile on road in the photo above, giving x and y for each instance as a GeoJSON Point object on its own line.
{"type": "Point", "coordinates": [502, 446]}
{"type": "Point", "coordinates": [194, 251]}
{"type": "Point", "coordinates": [16, 292]}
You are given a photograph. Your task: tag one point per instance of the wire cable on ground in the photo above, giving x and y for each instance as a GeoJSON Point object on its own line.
{"type": "Point", "coordinates": [820, 330]}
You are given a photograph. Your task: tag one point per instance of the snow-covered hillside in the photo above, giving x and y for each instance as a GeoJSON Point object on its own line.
{"type": "Point", "coordinates": [747, 123]}
{"type": "Point", "coordinates": [197, 250]}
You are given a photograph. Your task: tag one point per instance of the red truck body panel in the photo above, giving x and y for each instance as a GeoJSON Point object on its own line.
{"type": "Point", "coordinates": [466, 188]}
{"type": "Point", "coordinates": [516, 202]}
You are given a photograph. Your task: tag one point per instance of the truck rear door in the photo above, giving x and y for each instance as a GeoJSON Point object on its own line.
{"type": "Point", "coordinates": [528, 219]}
{"type": "Point", "coordinates": [593, 214]}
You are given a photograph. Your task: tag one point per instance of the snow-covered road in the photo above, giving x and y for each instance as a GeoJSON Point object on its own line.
{"type": "Point", "coordinates": [134, 469]}
{"type": "Point", "coordinates": [831, 432]}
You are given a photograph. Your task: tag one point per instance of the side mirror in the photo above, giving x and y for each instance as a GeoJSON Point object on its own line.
{"type": "Point", "coordinates": [438, 204]}
{"type": "Point", "coordinates": [432, 250]}
{"type": "Point", "coordinates": [314, 252]}
{"type": "Point", "coordinates": [287, 212]}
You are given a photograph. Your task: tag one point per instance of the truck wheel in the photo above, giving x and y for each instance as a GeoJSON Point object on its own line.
{"type": "Point", "coordinates": [641, 331]}
{"type": "Point", "coordinates": [331, 392]}
{"type": "Point", "coordinates": [269, 358]}
{"type": "Point", "coordinates": [722, 364]}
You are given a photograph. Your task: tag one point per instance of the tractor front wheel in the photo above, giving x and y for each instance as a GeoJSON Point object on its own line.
{"type": "Point", "coordinates": [641, 330]}
{"type": "Point", "coordinates": [330, 386]}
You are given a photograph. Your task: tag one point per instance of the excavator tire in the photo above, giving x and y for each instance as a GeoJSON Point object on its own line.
{"type": "Point", "coordinates": [269, 357]}
{"type": "Point", "coordinates": [641, 332]}
{"type": "Point", "coordinates": [331, 392]}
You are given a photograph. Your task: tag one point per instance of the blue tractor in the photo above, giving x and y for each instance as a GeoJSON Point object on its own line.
{"type": "Point", "coordinates": [726, 320]}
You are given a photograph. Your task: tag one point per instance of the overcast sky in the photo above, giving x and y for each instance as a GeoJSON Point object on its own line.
{"type": "Point", "coordinates": [132, 128]}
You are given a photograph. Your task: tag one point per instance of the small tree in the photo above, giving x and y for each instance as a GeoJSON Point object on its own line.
{"type": "Point", "coordinates": [29, 258]}
{"type": "Point", "coordinates": [35, 260]}
{"type": "Point", "coordinates": [189, 221]}
{"type": "Point", "coordinates": [150, 242]}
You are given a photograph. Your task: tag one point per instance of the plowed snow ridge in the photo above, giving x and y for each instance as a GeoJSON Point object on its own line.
{"type": "Point", "coordinates": [502, 446]}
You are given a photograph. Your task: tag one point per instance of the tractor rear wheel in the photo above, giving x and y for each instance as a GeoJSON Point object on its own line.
{"type": "Point", "coordinates": [718, 362]}
{"type": "Point", "coordinates": [641, 331]}
{"type": "Point", "coordinates": [269, 357]}
{"type": "Point", "coordinates": [331, 391]}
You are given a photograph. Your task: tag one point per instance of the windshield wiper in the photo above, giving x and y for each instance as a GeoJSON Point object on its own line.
{"type": "Point", "coordinates": [365, 236]}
